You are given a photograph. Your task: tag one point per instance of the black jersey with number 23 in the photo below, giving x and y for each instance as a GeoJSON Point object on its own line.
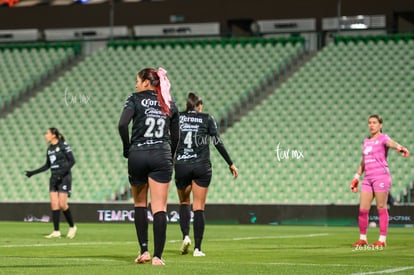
{"type": "Point", "coordinates": [151, 127]}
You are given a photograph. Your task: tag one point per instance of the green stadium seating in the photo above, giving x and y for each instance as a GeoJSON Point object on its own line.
{"type": "Point", "coordinates": [221, 72]}
{"type": "Point", "coordinates": [323, 110]}
{"type": "Point", "coordinates": [320, 111]}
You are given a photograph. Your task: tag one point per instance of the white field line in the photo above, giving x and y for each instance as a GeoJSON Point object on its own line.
{"type": "Point", "coordinates": [263, 237]}
{"type": "Point", "coordinates": [171, 241]}
{"type": "Point", "coordinates": [282, 237]}
{"type": "Point", "coordinates": [64, 244]}
{"type": "Point", "coordinates": [392, 270]}
{"type": "Point", "coordinates": [85, 259]}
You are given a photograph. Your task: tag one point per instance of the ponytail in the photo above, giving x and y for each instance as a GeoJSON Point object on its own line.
{"type": "Point", "coordinates": [56, 133]}
{"type": "Point", "coordinates": [192, 102]}
{"type": "Point", "coordinates": [158, 79]}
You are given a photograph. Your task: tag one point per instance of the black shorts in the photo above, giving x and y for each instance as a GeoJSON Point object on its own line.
{"type": "Point", "coordinates": [154, 164]}
{"type": "Point", "coordinates": [199, 172]}
{"type": "Point", "coordinates": [61, 184]}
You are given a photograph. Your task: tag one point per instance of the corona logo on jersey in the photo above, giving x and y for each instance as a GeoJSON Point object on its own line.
{"type": "Point", "coordinates": [148, 103]}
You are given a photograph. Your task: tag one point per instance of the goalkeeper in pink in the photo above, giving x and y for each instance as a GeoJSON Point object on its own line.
{"type": "Point", "coordinates": [377, 179]}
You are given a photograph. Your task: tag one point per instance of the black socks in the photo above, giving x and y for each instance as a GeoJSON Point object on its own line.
{"type": "Point", "coordinates": [160, 232]}
{"type": "Point", "coordinates": [56, 219]}
{"type": "Point", "coordinates": [199, 225]}
{"type": "Point", "coordinates": [185, 218]}
{"type": "Point", "coordinates": [68, 216]}
{"type": "Point", "coordinates": [141, 227]}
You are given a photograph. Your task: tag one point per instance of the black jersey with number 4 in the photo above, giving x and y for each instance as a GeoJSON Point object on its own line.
{"type": "Point", "coordinates": [197, 130]}
{"type": "Point", "coordinates": [151, 129]}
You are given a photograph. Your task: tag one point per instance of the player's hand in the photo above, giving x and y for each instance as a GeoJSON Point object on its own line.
{"type": "Point", "coordinates": [29, 173]}
{"type": "Point", "coordinates": [403, 150]}
{"type": "Point", "coordinates": [354, 183]}
{"type": "Point", "coordinates": [126, 152]}
{"type": "Point", "coordinates": [234, 171]}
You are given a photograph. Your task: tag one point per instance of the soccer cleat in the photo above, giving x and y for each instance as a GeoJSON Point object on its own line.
{"type": "Point", "coordinates": [72, 232]}
{"type": "Point", "coordinates": [54, 234]}
{"type": "Point", "coordinates": [378, 244]}
{"type": "Point", "coordinates": [143, 258]}
{"type": "Point", "coordinates": [185, 245]}
{"type": "Point", "coordinates": [198, 253]}
{"type": "Point", "coordinates": [360, 243]}
{"type": "Point", "coordinates": [157, 261]}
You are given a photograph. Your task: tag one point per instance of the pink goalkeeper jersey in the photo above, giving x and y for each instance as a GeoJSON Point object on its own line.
{"type": "Point", "coordinates": [374, 154]}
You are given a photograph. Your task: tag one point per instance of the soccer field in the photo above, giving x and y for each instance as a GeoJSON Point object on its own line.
{"type": "Point", "coordinates": [230, 249]}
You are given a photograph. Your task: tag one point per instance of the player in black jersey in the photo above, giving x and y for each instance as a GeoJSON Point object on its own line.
{"type": "Point", "coordinates": [60, 160]}
{"type": "Point", "coordinates": [150, 152]}
{"type": "Point", "coordinates": [193, 170]}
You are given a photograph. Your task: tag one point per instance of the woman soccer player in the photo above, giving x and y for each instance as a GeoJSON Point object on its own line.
{"type": "Point", "coordinates": [150, 153]}
{"type": "Point", "coordinates": [377, 180]}
{"type": "Point", "coordinates": [193, 170]}
{"type": "Point", "coordinates": [60, 160]}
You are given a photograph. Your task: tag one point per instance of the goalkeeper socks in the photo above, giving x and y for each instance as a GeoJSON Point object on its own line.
{"type": "Point", "coordinates": [141, 227]}
{"type": "Point", "coordinates": [185, 217]}
{"type": "Point", "coordinates": [383, 221]}
{"type": "Point", "coordinates": [68, 216]}
{"type": "Point", "coordinates": [56, 219]}
{"type": "Point", "coordinates": [363, 221]}
{"type": "Point", "coordinates": [160, 230]}
{"type": "Point", "coordinates": [199, 225]}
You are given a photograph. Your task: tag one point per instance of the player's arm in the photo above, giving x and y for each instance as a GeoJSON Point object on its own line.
{"type": "Point", "coordinates": [44, 168]}
{"type": "Point", "coordinates": [355, 181]}
{"type": "Point", "coordinates": [398, 147]}
{"type": "Point", "coordinates": [123, 123]}
{"type": "Point", "coordinates": [174, 130]}
{"type": "Point", "coordinates": [218, 143]}
{"type": "Point", "coordinates": [70, 158]}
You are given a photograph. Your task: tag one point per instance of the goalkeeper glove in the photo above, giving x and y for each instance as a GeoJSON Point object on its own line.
{"type": "Point", "coordinates": [403, 150]}
{"type": "Point", "coordinates": [354, 183]}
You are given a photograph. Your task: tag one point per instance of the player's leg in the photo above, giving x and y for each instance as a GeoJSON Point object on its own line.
{"type": "Point", "coordinates": [199, 201]}
{"type": "Point", "coordinates": [159, 194]}
{"type": "Point", "coordinates": [382, 186]}
{"type": "Point", "coordinates": [183, 183]}
{"type": "Point", "coordinates": [64, 191]}
{"type": "Point", "coordinates": [54, 205]}
{"type": "Point", "coordinates": [381, 202]}
{"type": "Point", "coordinates": [63, 204]}
{"type": "Point", "coordinates": [138, 179]}
{"type": "Point", "coordinates": [366, 198]}
{"type": "Point", "coordinates": [159, 178]}
{"type": "Point", "coordinates": [140, 196]}
{"type": "Point", "coordinates": [185, 217]}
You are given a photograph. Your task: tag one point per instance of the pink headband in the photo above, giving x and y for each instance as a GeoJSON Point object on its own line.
{"type": "Point", "coordinates": [165, 86]}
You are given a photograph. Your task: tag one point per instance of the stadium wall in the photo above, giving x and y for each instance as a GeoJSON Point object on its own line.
{"type": "Point", "coordinates": [163, 12]}
{"type": "Point", "coordinates": [324, 215]}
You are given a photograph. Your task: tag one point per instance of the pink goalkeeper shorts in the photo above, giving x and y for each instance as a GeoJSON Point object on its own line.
{"type": "Point", "coordinates": [378, 184]}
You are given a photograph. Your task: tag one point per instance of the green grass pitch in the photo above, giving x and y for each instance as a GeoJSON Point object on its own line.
{"type": "Point", "coordinates": [230, 249]}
